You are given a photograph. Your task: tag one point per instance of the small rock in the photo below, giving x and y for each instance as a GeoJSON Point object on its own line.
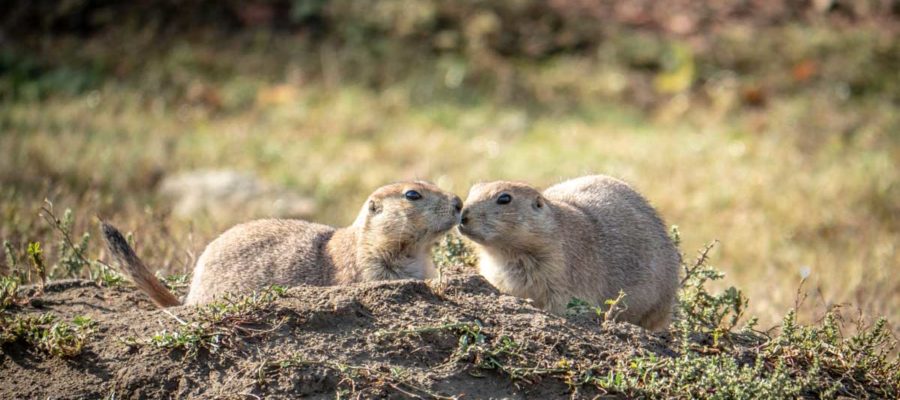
{"type": "Point", "coordinates": [228, 193]}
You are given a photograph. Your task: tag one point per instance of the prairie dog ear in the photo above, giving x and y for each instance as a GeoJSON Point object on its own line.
{"type": "Point", "coordinates": [374, 207]}
{"type": "Point", "coordinates": [539, 201]}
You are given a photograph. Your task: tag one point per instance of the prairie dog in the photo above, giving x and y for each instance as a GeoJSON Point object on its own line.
{"type": "Point", "coordinates": [588, 238]}
{"type": "Point", "coordinates": [391, 238]}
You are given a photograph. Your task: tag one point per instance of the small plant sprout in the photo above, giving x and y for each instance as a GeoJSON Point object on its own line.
{"type": "Point", "coordinates": [36, 257]}
{"type": "Point", "coordinates": [610, 310]}
{"type": "Point", "coordinates": [9, 287]}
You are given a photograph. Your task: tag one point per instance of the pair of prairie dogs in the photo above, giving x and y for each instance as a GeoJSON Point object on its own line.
{"type": "Point", "coordinates": [587, 238]}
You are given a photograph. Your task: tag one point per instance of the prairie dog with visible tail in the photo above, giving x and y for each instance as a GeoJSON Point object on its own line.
{"type": "Point", "coordinates": [587, 238]}
{"type": "Point", "coordinates": [391, 238]}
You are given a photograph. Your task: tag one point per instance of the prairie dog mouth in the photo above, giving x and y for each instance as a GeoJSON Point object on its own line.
{"type": "Point", "coordinates": [469, 233]}
{"type": "Point", "coordinates": [448, 225]}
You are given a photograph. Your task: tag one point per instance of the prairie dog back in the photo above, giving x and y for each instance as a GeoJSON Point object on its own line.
{"type": "Point", "coordinates": [630, 240]}
{"type": "Point", "coordinates": [257, 254]}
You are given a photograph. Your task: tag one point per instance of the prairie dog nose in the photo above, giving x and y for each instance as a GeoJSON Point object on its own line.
{"type": "Point", "coordinates": [465, 217]}
{"type": "Point", "coordinates": [457, 204]}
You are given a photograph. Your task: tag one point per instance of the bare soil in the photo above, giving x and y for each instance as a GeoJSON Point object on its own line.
{"type": "Point", "coordinates": [401, 339]}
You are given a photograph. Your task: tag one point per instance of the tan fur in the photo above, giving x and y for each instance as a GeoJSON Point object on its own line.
{"type": "Point", "coordinates": [390, 239]}
{"type": "Point", "coordinates": [587, 238]}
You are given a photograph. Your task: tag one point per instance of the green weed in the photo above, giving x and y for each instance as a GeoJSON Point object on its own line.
{"type": "Point", "coordinates": [607, 312]}
{"type": "Point", "coordinates": [452, 251]}
{"type": "Point", "coordinates": [175, 281]}
{"type": "Point", "coordinates": [36, 258]}
{"type": "Point", "coordinates": [106, 276]}
{"type": "Point", "coordinates": [47, 334]}
{"type": "Point", "coordinates": [218, 324]}
{"type": "Point", "coordinates": [718, 361]}
{"type": "Point", "coordinates": [9, 287]}
{"type": "Point", "coordinates": [73, 259]}
{"type": "Point", "coordinates": [704, 311]}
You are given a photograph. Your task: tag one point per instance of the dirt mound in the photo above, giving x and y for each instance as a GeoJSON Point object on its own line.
{"type": "Point", "coordinates": [394, 339]}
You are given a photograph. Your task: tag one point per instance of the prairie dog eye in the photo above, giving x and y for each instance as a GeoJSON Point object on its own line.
{"type": "Point", "coordinates": [412, 195]}
{"type": "Point", "coordinates": [504, 199]}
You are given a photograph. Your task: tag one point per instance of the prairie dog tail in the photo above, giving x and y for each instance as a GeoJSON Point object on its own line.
{"type": "Point", "coordinates": [134, 269]}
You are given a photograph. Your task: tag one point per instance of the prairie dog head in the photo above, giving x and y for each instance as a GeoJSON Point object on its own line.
{"type": "Point", "coordinates": [507, 215]}
{"type": "Point", "coordinates": [408, 215]}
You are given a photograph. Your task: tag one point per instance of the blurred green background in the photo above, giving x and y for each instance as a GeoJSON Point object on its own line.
{"type": "Point", "coordinates": [770, 126]}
